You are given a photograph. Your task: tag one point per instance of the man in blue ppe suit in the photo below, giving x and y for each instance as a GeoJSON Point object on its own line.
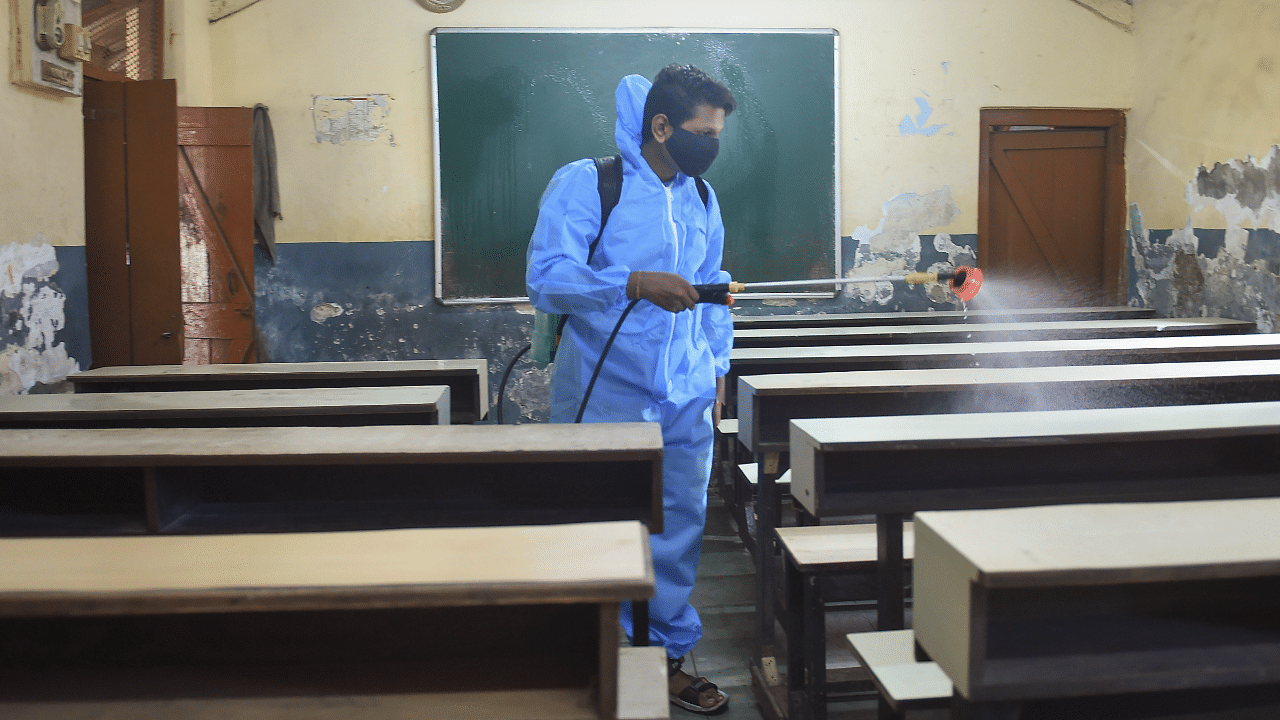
{"type": "Point", "coordinates": [668, 362]}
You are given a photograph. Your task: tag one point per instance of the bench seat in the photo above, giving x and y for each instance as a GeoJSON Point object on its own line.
{"type": "Point", "coordinates": [904, 682]}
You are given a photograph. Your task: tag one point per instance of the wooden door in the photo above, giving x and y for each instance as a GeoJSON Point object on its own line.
{"type": "Point", "coordinates": [131, 222]}
{"type": "Point", "coordinates": [1051, 206]}
{"type": "Point", "coordinates": [215, 180]}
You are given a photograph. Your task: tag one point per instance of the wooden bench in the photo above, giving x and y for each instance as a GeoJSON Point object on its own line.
{"type": "Point", "coordinates": [452, 622]}
{"type": "Point", "coordinates": [468, 380]}
{"type": "Point", "coordinates": [810, 554]}
{"type": "Point", "coordinates": [771, 402]}
{"type": "Point", "coordinates": [415, 404]}
{"type": "Point", "coordinates": [903, 681]}
{"type": "Point", "coordinates": [743, 322]}
{"type": "Point", "coordinates": [986, 332]}
{"type": "Point", "coordinates": [895, 466]}
{"type": "Point", "coordinates": [1072, 601]}
{"type": "Point", "coordinates": [1030, 353]}
{"type": "Point", "coordinates": [291, 479]}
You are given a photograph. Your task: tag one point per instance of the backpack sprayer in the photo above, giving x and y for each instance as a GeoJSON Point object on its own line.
{"type": "Point", "coordinates": [964, 281]}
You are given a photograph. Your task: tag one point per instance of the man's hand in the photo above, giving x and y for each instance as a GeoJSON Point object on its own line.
{"type": "Point", "coordinates": [667, 290]}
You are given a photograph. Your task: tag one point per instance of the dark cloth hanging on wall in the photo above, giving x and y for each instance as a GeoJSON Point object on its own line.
{"type": "Point", "coordinates": [266, 183]}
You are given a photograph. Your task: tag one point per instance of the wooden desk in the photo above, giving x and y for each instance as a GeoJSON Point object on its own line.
{"type": "Point", "coordinates": [290, 479]}
{"type": "Point", "coordinates": [743, 322]}
{"type": "Point", "coordinates": [985, 332]}
{"type": "Point", "coordinates": [1085, 600]}
{"type": "Point", "coordinates": [416, 404]}
{"type": "Point", "coordinates": [468, 380]}
{"type": "Point", "coordinates": [1030, 353]}
{"type": "Point", "coordinates": [455, 622]}
{"type": "Point", "coordinates": [895, 466]}
{"type": "Point", "coordinates": [770, 402]}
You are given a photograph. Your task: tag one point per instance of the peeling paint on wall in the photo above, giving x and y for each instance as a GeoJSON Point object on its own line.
{"type": "Point", "coordinates": [324, 311]}
{"type": "Point", "coordinates": [920, 124]}
{"type": "Point", "coordinates": [33, 309]}
{"type": "Point", "coordinates": [893, 248]}
{"type": "Point", "coordinates": [354, 117]}
{"type": "Point", "coordinates": [1235, 273]}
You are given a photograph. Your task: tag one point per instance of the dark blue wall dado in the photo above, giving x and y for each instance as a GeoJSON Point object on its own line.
{"type": "Point", "coordinates": [376, 301]}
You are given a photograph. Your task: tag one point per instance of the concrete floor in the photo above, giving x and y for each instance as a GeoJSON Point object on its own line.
{"type": "Point", "coordinates": [725, 598]}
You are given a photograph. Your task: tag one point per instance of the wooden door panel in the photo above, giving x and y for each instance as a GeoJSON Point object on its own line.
{"type": "Point", "coordinates": [1048, 209]}
{"type": "Point", "coordinates": [106, 224]}
{"type": "Point", "coordinates": [154, 257]}
{"type": "Point", "coordinates": [215, 173]}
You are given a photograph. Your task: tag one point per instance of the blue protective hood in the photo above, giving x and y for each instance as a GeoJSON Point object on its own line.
{"type": "Point", "coordinates": [631, 94]}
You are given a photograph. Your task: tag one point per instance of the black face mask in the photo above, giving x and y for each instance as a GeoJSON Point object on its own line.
{"type": "Point", "coordinates": [692, 152]}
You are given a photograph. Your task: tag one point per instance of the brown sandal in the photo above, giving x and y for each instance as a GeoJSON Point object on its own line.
{"type": "Point", "coordinates": [690, 695]}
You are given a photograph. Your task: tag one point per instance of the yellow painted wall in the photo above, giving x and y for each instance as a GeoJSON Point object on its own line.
{"type": "Point", "coordinates": [41, 161]}
{"type": "Point", "coordinates": [958, 55]}
{"type": "Point", "coordinates": [1207, 91]}
{"type": "Point", "coordinates": [187, 51]}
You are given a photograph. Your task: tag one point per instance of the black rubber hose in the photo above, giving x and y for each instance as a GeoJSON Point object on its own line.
{"type": "Point", "coordinates": [502, 384]}
{"type": "Point", "coordinates": [600, 363]}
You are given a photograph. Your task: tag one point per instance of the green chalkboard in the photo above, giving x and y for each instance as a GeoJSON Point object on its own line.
{"type": "Point", "coordinates": [512, 106]}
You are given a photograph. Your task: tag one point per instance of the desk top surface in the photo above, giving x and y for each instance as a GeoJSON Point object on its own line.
{"type": "Point", "coordinates": [974, 379]}
{"type": "Point", "coordinates": [396, 568]}
{"type": "Point", "coordinates": [405, 367]}
{"type": "Point", "coordinates": [240, 402]}
{"type": "Point", "coordinates": [1153, 344]}
{"type": "Point", "coordinates": [994, 330]}
{"type": "Point", "coordinates": [907, 432]}
{"type": "Point", "coordinates": [383, 444]}
{"type": "Point", "coordinates": [1077, 544]}
{"type": "Point", "coordinates": [942, 316]}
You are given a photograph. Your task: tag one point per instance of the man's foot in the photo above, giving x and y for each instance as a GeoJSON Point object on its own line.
{"type": "Point", "coordinates": [693, 694]}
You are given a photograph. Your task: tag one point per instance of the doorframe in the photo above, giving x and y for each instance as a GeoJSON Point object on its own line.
{"type": "Point", "coordinates": [1113, 213]}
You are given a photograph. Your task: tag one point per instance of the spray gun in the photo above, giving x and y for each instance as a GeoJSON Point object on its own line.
{"type": "Point", "coordinates": [964, 281]}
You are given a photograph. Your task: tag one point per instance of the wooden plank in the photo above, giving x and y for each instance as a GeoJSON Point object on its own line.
{"type": "Point", "coordinates": [129, 447]}
{"type": "Point", "coordinates": [205, 612]}
{"type": "Point", "coordinates": [973, 332]}
{"type": "Point", "coordinates": [642, 684]}
{"type": "Point", "coordinates": [907, 683]}
{"type": "Point", "coordinates": [291, 479]}
{"type": "Point", "coordinates": [435, 567]}
{"type": "Point", "coordinates": [468, 379]}
{"type": "Point", "coordinates": [743, 322]}
{"type": "Point", "coordinates": [827, 547]}
{"type": "Point", "coordinates": [294, 406]}
{"type": "Point", "coordinates": [769, 402]}
{"type": "Point", "coordinates": [1114, 598]}
{"type": "Point", "coordinates": [1029, 353]}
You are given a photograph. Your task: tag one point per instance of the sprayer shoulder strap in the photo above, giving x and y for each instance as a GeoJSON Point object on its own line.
{"type": "Point", "coordinates": [609, 184]}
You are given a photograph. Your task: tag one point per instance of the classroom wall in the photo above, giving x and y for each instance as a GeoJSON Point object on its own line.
{"type": "Point", "coordinates": [348, 87]}
{"type": "Point", "coordinates": [1203, 160]}
{"type": "Point", "coordinates": [43, 312]}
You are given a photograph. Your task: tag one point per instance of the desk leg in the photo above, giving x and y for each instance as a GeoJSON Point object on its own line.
{"type": "Point", "coordinates": [814, 646]}
{"type": "Point", "coordinates": [765, 552]}
{"type": "Point", "coordinates": [890, 573]}
{"type": "Point", "coordinates": [639, 623]}
{"type": "Point", "coordinates": [794, 625]}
